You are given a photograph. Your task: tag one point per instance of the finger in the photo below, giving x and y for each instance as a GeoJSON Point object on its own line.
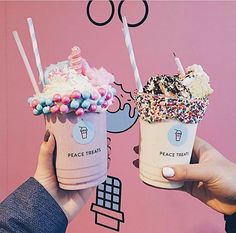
{"type": "Point", "coordinates": [136, 149]}
{"type": "Point", "coordinates": [201, 147]}
{"type": "Point", "coordinates": [187, 172]}
{"type": "Point", "coordinates": [108, 141]}
{"type": "Point", "coordinates": [45, 159]}
{"type": "Point", "coordinates": [136, 163]}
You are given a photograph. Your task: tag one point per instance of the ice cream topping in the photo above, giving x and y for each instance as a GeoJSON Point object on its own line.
{"type": "Point", "coordinates": [175, 97]}
{"type": "Point", "coordinates": [73, 86]}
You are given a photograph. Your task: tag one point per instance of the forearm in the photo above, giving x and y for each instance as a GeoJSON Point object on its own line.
{"type": "Point", "coordinates": [30, 208]}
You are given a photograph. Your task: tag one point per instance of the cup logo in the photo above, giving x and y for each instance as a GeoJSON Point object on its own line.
{"type": "Point", "coordinates": [178, 134]}
{"type": "Point", "coordinates": [83, 132]}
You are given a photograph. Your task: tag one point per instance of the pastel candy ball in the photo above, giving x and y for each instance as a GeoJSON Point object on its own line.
{"type": "Point", "coordinates": [108, 96]}
{"type": "Point", "coordinates": [34, 103]}
{"type": "Point", "coordinates": [113, 90]}
{"type": "Point", "coordinates": [75, 104]}
{"type": "Point", "coordinates": [79, 112]}
{"type": "Point", "coordinates": [64, 108]}
{"type": "Point", "coordinates": [39, 107]}
{"type": "Point", "coordinates": [85, 94]}
{"type": "Point", "coordinates": [65, 99]}
{"type": "Point", "coordinates": [105, 104]}
{"type": "Point", "coordinates": [75, 95]}
{"type": "Point", "coordinates": [42, 100]}
{"type": "Point", "coordinates": [54, 109]}
{"type": "Point", "coordinates": [85, 104]}
{"type": "Point", "coordinates": [36, 112]}
{"type": "Point", "coordinates": [94, 96]}
{"type": "Point", "coordinates": [100, 101]}
{"type": "Point", "coordinates": [49, 102]}
{"type": "Point", "coordinates": [102, 91]}
{"type": "Point", "coordinates": [92, 108]}
{"type": "Point", "coordinates": [57, 98]}
{"type": "Point", "coordinates": [46, 110]}
{"type": "Point", "coordinates": [30, 99]}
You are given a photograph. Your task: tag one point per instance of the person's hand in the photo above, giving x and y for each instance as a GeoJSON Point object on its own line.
{"type": "Point", "coordinates": [71, 202]}
{"type": "Point", "coordinates": [211, 177]}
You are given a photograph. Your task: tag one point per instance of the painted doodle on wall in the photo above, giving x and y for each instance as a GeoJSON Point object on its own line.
{"type": "Point", "coordinates": [120, 118]}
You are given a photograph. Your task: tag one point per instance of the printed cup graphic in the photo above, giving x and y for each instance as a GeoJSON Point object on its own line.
{"type": "Point", "coordinates": [178, 134]}
{"type": "Point", "coordinates": [81, 149]}
{"type": "Point", "coordinates": [84, 132]}
{"type": "Point", "coordinates": [164, 143]}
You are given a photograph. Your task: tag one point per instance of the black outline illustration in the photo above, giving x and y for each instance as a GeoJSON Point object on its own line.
{"type": "Point", "coordinates": [101, 209]}
{"type": "Point", "coordinates": [141, 21]}
{"type": "Point", "coordinates": [102, 23]}
{"type": "Point", "coordinates": [130, 93]}
{"type": "Point", "coordinates": [119, 14]}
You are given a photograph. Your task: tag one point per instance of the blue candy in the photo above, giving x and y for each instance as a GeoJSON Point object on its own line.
{"type": "Point", "coordinates": [48, 102]}
{"type": "Point", "coordinates": [42, 100]}
{"type": "Point", "coordinates": [46, 110]}
{"type": "Point", "coordinates": [85, 95]}
{"type": "Point", "coordinates": [85, 104]}
{"type": "Point", "coordinates": [75, 104]}
{"type": "Point", "coordinates": [39, 107]}
{"type": "Point", "coordinates": [100, 101]}
{"type": "Point", "coordinates": [36, 112]}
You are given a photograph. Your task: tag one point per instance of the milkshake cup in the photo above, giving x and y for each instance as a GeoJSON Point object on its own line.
{"type": "Point", "coordinates": [74, 102]}
{"type": "Point", "coordinates": [169, 117]}
{"type": "Point", "coordinates": [81, 155]}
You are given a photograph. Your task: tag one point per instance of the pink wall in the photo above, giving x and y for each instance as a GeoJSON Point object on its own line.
{"type": "Point", "coordinates": [199, 32]}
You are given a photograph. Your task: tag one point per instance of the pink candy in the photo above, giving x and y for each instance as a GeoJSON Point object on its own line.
{"type": "Point", "coordinates": [108, 96]}
{"type": "Point", "coordinates": [64, 108]}
{"type": "Point", "coordinates": [102, 91]}
{"type": "Point", "coordinates": [92, 108]}
{"type": "Point", "coordinates": [65, 99]}
{"type": "Point", "coordinates": [105, 104]}
{"type": "Point", "coordinates": [76, 59]}
{"type": "Point", "coordinates": [57, 98]}
{"type": "Point", "coordinates": [79, 112]}
{"type": "Point", "coordinates": [76, 95]}
{"type": "Point", "coordinates": [34, 103]}
{"type": "Point", "coordinates": [54, 109]}
{"type": "Point", "coordinates": [94, 96]}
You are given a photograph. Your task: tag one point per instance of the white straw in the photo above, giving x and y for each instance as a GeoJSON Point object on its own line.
{"type": "Point", "coordinates": [131, 54]}
{"type": "Point", "coordinates": [36, 50]}
{"type": "Point", "coordinates": [25, 59]}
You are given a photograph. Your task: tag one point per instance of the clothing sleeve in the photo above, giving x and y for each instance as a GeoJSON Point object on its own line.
{"type": "Point", "coordinates": [30, 208]}
{"type": "Point", "coordinates": [230, 223]}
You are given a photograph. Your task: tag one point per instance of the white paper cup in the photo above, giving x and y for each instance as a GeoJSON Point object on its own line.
{"type": "Point", "coordinates": [162, 144]}
{"type": "Point", "coordinates": [81, 149]}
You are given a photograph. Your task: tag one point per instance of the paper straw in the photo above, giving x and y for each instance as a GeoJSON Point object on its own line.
{"type": "Point", "coordinates": [36, 50]}
{"type": "Point", "coordinates": [25, 59]}
{"type": "Point", "coordinates": [131, 54]}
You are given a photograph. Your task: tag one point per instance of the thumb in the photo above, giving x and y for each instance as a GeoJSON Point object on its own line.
{"type": "Point", "coordinates": [187, 172]}
{"type": "Point", "coordinates": [45, 159]}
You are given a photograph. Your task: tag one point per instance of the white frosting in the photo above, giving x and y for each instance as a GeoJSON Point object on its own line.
{"type": "Point", "coordinates": [65, 86]}
{"type": "Point", "coordinates": [197, 81]}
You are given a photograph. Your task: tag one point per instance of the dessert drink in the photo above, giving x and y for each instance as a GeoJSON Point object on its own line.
{"type": "Point", "coordinates": [170, 108]}
{"type": "Point", "coordinates": [74, 101]}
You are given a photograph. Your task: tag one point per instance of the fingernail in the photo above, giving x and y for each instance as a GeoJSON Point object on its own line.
{"type": "Point", "coordinates": [46, 136]}
{"type": "Point", "coordinates": [168, 172]}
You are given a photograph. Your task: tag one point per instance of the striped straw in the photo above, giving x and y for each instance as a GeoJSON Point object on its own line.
{"type": "Point", "coordinates": [26, 62]}
{"type": "Point", "coordinates": [36, 51]}
{"type": "Point", "coordinates": [131, 54]}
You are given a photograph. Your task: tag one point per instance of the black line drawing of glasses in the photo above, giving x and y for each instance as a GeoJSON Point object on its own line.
{"type": "Point", "coordinates": [119, 14]}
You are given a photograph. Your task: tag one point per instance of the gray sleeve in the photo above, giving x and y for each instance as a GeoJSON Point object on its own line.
{"type": "Point", "coordinates": [30, 208]}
